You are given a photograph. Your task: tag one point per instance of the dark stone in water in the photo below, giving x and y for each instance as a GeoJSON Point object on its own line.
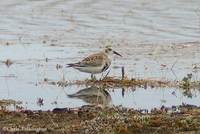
{"type": "Point", "coordinates": [174, 108]}
{"type": "Point", "coordinates": [57, 110]}
{"type": "Point", "coordinates": [188, 105]}
{"type": "Point", "coordinates": [28, 112]}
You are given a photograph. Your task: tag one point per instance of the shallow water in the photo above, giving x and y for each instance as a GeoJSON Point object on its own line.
{"type": "Point", "coordinates": [158, 40]}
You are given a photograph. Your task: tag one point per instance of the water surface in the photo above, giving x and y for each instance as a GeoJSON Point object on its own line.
{"type": "Point", "coordinates": [158, 40]}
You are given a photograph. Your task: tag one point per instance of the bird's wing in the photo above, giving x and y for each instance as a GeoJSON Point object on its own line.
{"type": "Point", "coordinates": [93, 60]}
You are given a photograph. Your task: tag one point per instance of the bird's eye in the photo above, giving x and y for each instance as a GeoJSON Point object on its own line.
{"type": "Point", "coordinates": [109, 49]}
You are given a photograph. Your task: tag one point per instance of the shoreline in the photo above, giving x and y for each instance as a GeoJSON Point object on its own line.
{"type": "Point", "coordinates": [93, 119]}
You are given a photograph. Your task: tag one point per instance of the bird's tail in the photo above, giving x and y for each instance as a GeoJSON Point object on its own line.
{"type": "Point", "coordinates": [72, 65]}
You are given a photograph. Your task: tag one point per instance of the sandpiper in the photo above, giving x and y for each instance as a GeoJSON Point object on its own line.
{"type": "Point", "coordinates": [95, 63]}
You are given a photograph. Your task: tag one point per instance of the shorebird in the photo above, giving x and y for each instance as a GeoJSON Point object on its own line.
{"type": "Point", "coordinates": [95, 63]}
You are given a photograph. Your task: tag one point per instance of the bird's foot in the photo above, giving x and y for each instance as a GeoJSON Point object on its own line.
{"type": "Point", "coordinates": [93, 78]}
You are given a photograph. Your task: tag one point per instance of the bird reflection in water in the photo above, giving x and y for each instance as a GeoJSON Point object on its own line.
{"type": "Point", "coordinates": [93, 95]}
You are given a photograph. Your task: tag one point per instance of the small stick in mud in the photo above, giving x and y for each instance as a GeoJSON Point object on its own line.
{"type": "Point", "coordinates": [46, 59]}
{"type": "Point", "coordinates": [123, 73]}
{"type": "Point", "coordinates": [123, 92]}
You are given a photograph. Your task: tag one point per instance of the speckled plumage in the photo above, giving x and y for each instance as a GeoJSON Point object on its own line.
{"type": "Point", "coordinates": [95, 63]}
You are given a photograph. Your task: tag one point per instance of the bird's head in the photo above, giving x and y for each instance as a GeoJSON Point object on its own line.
{"type": "Point", "coordinates": [110, 51]}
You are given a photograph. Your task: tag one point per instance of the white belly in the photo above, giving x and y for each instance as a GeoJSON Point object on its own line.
{"type": "Point", "coordinates": [90, 69]}
{"type": "Point", "coordinates": [94, 69]}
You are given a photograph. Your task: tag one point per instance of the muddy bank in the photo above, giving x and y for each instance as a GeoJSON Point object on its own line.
{"type": "Point", "coordinates": [92, 119]}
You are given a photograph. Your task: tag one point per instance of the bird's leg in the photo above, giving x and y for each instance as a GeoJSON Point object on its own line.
{"type": "Point", "coordinates": [101, 76]}
{"type": "Point", "coordinates": [106, 74]}
{"type": "Point", "coordinates": [93, 77]}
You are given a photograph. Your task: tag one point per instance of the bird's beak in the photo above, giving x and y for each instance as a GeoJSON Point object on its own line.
{"type": "Point", "coordinates": [117, 53]}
